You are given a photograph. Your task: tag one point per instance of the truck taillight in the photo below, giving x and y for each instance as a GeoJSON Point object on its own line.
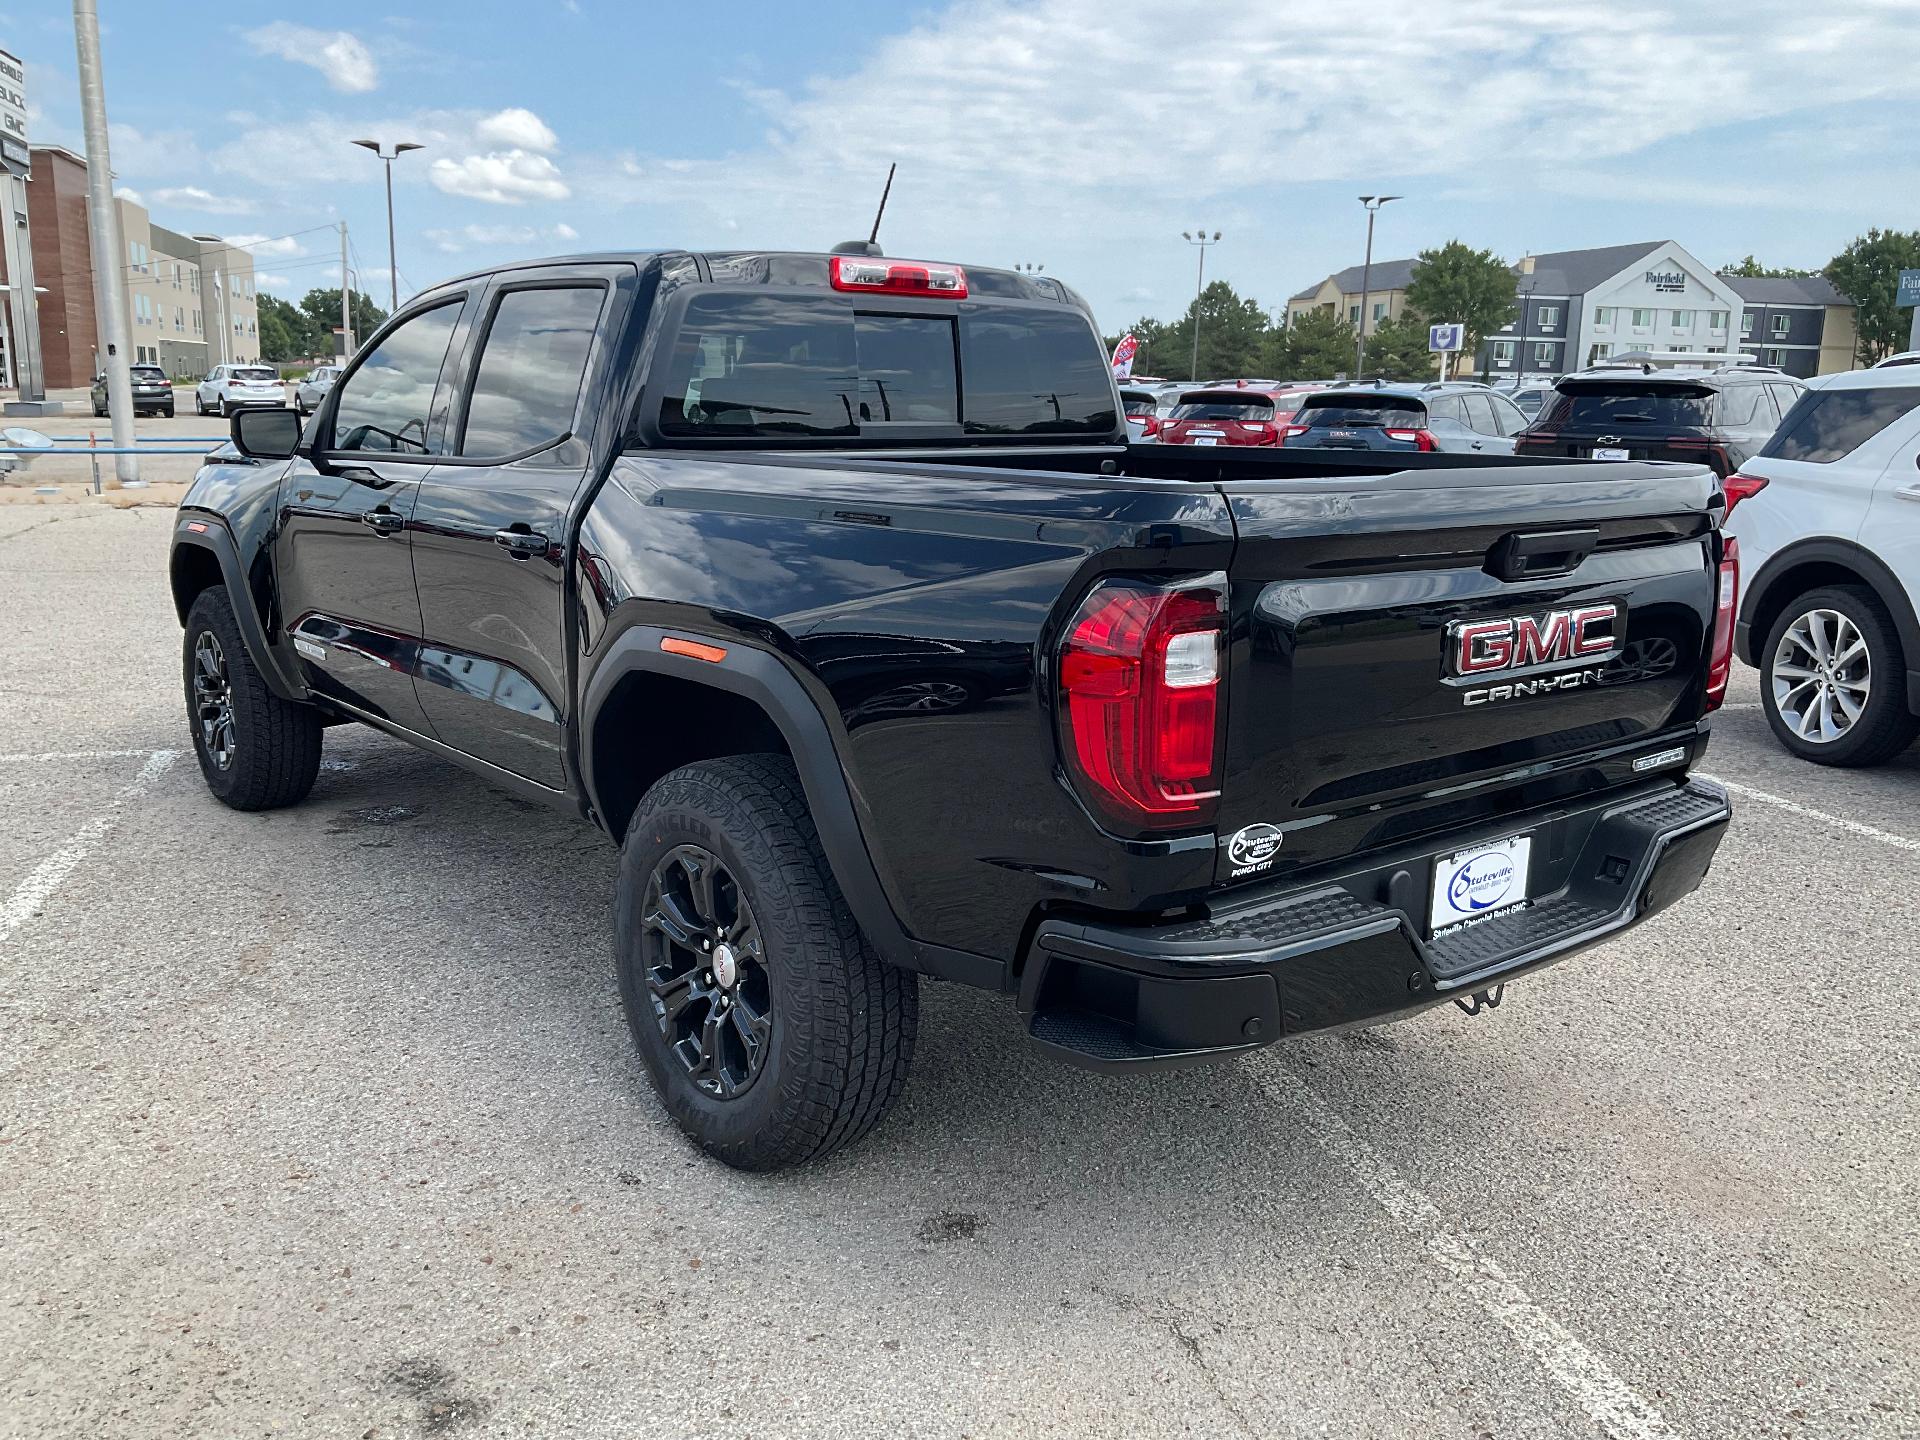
{"type": "Point", "coordinates": [1726, 603]}
{"type": "Point", "coordinates": [1140, 702]}
{"type": "Point", "coordinates": [898, 277]}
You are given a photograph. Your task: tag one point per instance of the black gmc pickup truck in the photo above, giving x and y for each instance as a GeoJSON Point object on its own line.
{"type": "Point", "coordinates": [829, 587]}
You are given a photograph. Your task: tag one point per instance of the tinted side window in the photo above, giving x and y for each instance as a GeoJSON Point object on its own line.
{"type": "Point", "coordinates": [527, 384]}
{"type": "Point", "coordinates": [386, 404]}
{"type": "Point", "coordinates": [1034, 372]}
{"type": "Point", "coordinates": [1785, 396]}
{"type": "Point", "coordinates": [1448, 407]}
{"type": "Point", "coordinates": [1480, 414]}
{"type": "Point", "coordinates": [1739, 404]}
{"type": "Point", "coordinates": [1828, 424]}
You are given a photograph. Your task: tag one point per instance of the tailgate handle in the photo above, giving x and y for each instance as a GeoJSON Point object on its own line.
{"type": "Point", "coordinates": [1541, 553]}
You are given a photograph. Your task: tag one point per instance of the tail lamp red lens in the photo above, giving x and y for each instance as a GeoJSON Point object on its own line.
{"type": "Point", "coordinates": [1422, 439]}
{"type": "Point", "coordinates": [1742, 487]}
{"type": "Point", "coordinates": [898, 277]}
{"type": "Point", "coordinates": [1726, 604]}
{"type": "Point", "coordinates": [1287, 432]}
{"type": "Point", "coordinates": [1140, 696]}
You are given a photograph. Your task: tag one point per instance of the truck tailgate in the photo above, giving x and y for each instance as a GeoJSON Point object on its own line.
{"type": "Point", "coordinates": [1430, 650]}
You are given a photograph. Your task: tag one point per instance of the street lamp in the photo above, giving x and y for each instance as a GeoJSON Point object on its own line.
{"type": "Point", "coordinates": [1027, 267]}
{"type": "Point", "coordinates": [389, 154]}
{"type": "Point", "coordinates": [1203, 240]}
{"type": "Point", "coordinates": [1373, 204]}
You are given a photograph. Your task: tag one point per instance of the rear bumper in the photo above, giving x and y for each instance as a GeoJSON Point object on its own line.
{"type": "Point", "coordinates": [1353, 949]}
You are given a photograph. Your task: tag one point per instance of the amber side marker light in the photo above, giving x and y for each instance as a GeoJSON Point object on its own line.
{"type": "Point", "coordinates": [674, 645]}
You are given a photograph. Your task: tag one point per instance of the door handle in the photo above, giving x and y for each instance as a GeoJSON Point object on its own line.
{"type": "Point", "coordinates": [383, 521]}
{"type": "Point", "coordinates": [520, 542]}
{"type": "Point", "coordinates": [1908, 492]}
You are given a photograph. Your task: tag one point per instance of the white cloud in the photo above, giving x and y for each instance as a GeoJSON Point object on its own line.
{"type": "Point", "coordinates": [516, 129]}
{"type": "Point", "coordinates": [337, 54]}
{"type": "Point", "coordinates": [268, 247]}
{"type": "Point", "coordinates": [507, 177]}
{"type": "Point", "coordinates": [1062, 124]}
{"type": "Point", "coordinates": [127, 193]}
{"type": "Point", "coordinates": [267, 281]}
{"type": "Point", "coordinates": [469, 237]}
{"type": "Point", "coordinates": [192, 197]}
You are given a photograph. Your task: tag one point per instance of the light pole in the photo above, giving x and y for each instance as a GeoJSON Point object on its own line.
{"type": "Point", "coordinates": [1373, 204]}
{"type": "Point", "coordinates": [389, 154]}
{"type": "Point", "coordinates": [103, 230]}
{"type": "Point", "coordinates": [1027, 267]}
{"type": "Point", "coordinates": [1203, 240]}
{"type": "Point", "coordinates": [1526, 296]}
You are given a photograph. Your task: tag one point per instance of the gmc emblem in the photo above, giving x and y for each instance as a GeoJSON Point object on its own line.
{"type": "Point", "coordinates": [1480, 647]}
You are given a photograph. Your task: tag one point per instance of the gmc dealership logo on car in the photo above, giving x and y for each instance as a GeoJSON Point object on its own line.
{"type": "Point", "coordinates": [1525, 642]}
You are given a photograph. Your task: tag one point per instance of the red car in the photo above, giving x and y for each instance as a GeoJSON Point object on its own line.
{"type": "Point", "coordinates": [1230, 417]}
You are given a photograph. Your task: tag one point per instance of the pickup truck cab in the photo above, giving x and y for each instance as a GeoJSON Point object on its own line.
{"type": "Point", "coordinates": [829, 588]}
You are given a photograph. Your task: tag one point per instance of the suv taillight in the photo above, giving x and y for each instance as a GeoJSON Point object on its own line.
{"type": "Point", "coordinates": [1140, 701]}
{"type": "Point", "coordinates": [1726, 602]}
{"type": "Point", "coordinates": [1742, 487]}
{"type": "Point", "coordinates": [1422, 439]}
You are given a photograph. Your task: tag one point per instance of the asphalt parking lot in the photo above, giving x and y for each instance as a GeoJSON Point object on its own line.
{"type": "Point", "coordinates": [325, 1122]}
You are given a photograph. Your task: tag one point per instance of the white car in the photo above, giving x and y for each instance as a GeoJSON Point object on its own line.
{"type": "Point", "coordinates": [235, 387]}
{"type": "Point", "coordinates": [1828, 520]}
{"type": "Point", "coordinates": [308, 394]}
{"type": "Point", "coordinates": [1905, 357]}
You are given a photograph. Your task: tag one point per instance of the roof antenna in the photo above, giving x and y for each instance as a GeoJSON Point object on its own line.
{"type": "Point", "coordinates": [870, 245]}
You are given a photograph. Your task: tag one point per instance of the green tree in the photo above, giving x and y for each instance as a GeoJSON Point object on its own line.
{"type": "Point", "coordinates": [1751, 269]}
{"type": "Point", "coordinates": [322, 309]}
{"type": "Point", "coordinates": [1457, 284]}
{"type": "Point", "coordinates": [1232, 332]}
{"type": "Point", "coordinates": [1397, 350]}
{"type": "Point", "coordinates": [285, 333]}
{"type": "Point", "coordinates": [1153, 357]}
{"type": "Point", "coordinates": [1318, 345]}
{"type": "Point", "coordinates": [1867, 272]}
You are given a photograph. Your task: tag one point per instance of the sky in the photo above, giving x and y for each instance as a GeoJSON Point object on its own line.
{"type": "Point", "coordinates": [1082, 135]}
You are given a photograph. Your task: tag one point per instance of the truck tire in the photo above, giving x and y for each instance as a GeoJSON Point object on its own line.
{"type": "Point", "coordinates": [257, 751]}
{"type": "Point", "coordinates": [1851, 714]}
{"type": "Point", "coordinates": [770, 1028]}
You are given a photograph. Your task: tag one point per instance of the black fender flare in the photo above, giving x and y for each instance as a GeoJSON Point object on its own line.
{"type": "Point", "coordinates": [1831, 550]}
{"type": "Point", "coordinates": [763, 678]}
{"type": "Point", "coordinates": [206, 531]}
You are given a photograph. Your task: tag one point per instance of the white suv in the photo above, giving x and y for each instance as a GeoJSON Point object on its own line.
{"type": "Point", "coordinates": [234, 387]}
{"type": "Point", "coordinates": [1828, 520]}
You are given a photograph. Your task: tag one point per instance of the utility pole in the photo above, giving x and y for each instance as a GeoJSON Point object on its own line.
{"type": "Point", "coordinates": [1201, 239]}
{"type": "Point", "coordinates": [1373, 204]}
{"type": "Point", "coordinates": [104, 231]}
{"type": "Point", "coordinates": [1526, 298]}
{"type": "Point", "coordinates": [346, 299]}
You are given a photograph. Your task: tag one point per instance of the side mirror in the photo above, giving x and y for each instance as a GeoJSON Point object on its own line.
{"type": "Point", "coordinates": [265, 434]}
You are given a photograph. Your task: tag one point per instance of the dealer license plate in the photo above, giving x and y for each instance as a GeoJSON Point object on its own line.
{"type": "Point", "coordinates": [1611, 452]}
{"type": "Point", "coordinates": [1471, 884]}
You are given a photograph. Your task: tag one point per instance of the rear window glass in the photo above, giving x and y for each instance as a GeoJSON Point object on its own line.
{"type": "Point", "coordinates": [148, 372]}
{"type": "Point", "coordinates": [1388, 412]}
{"type": "Point", "coordinates": [1828, 424]}
{"type": "Point", "coordinates": [1624, 405]}
{"type": "Point", "coordinates": [255, 372]}
{"type": "Point", "coordinates": [1137, 404]}
{"type": "Point", "coordinates": [753, 365]}
{"type": "Point", "coordinates": [1224, 407]}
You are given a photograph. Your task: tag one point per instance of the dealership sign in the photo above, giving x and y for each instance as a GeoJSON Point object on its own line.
{"type": "Point", "coordinates": [13, 114]}
{"type": "Point", "coordinates": [1446, 338]}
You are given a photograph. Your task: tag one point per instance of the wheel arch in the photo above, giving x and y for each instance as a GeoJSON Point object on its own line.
{"type": "Point", "coordinates": [1809, 564]}
{"type": "Point", "coordinates": [750, 702]}
{"type": "Point", "coordinates": [204, 557]}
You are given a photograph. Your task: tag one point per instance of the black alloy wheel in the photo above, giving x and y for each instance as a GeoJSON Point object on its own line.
{"type": "Point", "coordinates": [706, 971]}
{"type": "Point", "coordinates": [213, 699]}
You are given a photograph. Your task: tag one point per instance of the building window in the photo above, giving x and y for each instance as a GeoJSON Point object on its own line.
{"type": "Point", "coordinates": [1746, 325]}
{"type": "Point", "coordinates": [1717, 320]}
{"type": "Point", "coordinates": [1780, 326]}
{"type": "Point", "coordinates": [1683, 319]}
{"type": "Point", "coordinates": [1643, 319]}
{"type": "Point", "coordinates": [1379, 311]}
{"type": "Point", "coordinates": [1775, 357]}
{"type": "Point", "coordinates": [1353, 314]}
{"type": "Point", "coordinates": [1603, 315]}
{"type": "Point", "coordinates": [1716, 349]}
{"type": "Point", "coordinates": [1601, 352]}
{"type": "Point", "coordinates": [1543, 357]}
{"type": "Point", "coordinates": [1548, 316]}
{"type": "Point", "coordinates": [1503, 352]}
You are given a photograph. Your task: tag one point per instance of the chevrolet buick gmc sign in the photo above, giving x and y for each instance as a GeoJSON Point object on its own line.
{"type": "Point", "coordinates": [13, 114]}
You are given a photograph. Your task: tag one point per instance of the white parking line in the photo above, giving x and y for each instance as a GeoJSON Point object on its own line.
{"type": "Point", "coordinates": [1839, 822]}
{"type": "Point", "coordinates": [51, 873]}
{"type": "Point", "coordinates": [23, 758]}
{"type": "Point", "coordinates": [1615, 1406]}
